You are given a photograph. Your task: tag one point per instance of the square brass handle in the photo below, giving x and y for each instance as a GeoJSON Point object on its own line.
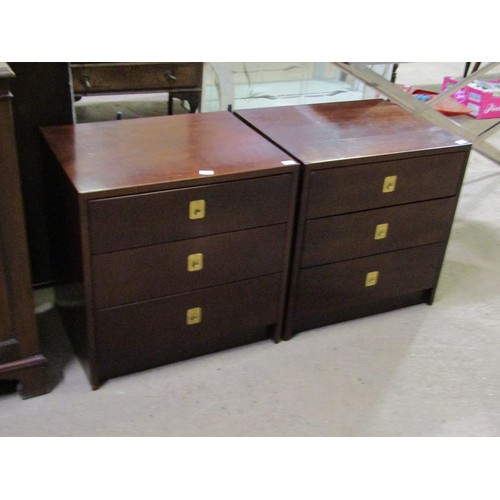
{"type": "Point", "coordinates": [371, 278]}
{"type": "Point", "coordinates": [195, 262]}
{"type": "Point", "coordinates": [197, 209]}
{"type": "Point", "coordinates": [193, 316]}
{"type": "Point", "coordinates": [389, 184]}
{"type": "Point", "coordinates": [381, 231]}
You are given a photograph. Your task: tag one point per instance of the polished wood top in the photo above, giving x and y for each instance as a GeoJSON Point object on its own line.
{"type": "Point", "coordinates": [323, 133]}
{"type": "Point", "coordinates": [130, 155]}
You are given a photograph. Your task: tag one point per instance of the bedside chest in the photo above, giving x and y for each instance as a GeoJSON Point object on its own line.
{"type": "Point", "coordinates": [181, 231]}
{"type": "Point", "coordinates": [378, 196]}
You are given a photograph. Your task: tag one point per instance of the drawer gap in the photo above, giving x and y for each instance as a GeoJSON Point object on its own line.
{"type": "Point", "coordinates": [159, 243]}
{"type": "Point", "coordinates": [373, 255]}
{"type": "Point", "coordinates": [200, 289]}
{"type": "Point", "coordinates": [339, 214]}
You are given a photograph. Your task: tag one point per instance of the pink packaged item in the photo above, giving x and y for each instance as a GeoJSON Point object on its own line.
{"type": "Point", "coordinates": [481, 97]}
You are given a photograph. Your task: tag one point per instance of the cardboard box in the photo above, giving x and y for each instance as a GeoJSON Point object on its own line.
{"type": "Point", "coordinates": [483, 102]}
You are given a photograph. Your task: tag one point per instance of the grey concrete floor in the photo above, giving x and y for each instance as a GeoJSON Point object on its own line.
{"type": "Point", "coordinates": [420, 371]}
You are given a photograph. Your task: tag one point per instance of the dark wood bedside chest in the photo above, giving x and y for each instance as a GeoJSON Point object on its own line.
{"type": "Point", "coordinates": [180, 231]}
{"type": "Point", "coordinates": [378, 196]}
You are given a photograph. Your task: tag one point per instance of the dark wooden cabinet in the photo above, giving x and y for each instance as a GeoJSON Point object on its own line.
{"type": "Point", "coordinates": [20, 356]}
{"type": "Point", "coordinates": [378, 196]}
{"type": "Point", "coordinates": [180, 231]}
{"type": "Point", "coordinates": [42, 97]}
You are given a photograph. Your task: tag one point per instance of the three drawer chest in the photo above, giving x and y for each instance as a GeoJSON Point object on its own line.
{"type": "Point", "coordinates": [377, 201]}
{"type": "Point", "coordinates": [178, 237]}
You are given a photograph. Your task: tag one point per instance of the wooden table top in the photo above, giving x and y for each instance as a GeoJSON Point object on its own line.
{"type": "Point", "coordinates": [130, 155]}
{"type": "Point", "coordinates": [329, 132]}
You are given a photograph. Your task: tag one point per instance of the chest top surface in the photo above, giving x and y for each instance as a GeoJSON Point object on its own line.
{"type": "Point", "coordinates": [130, 154]}
{"type": "Point", "coordinates": [319, 133]}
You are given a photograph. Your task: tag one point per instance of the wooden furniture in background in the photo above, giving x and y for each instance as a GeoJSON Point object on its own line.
{"type": "Point", "coordinates": [181, 229]}
{"type": "Point", "coordinates": [378, 196]}
{"type": "Point", "coordinates": [20, 357]}
{"type": "Point", "coordinates": [42, 97]}
{"type": "Point", "coordinates": [182, 80]}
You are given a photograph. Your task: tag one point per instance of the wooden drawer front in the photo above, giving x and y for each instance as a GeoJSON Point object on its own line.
{"type": "Point", "coordinates": [323, 290]}
{"type": "Point", "coordinates": [343, 237]}
{"type": "Point", "coordinates": [159, 270]}
{"type": "Point", "coordinates": [349, 189]}
{"type": "Point", "coordinates": [148, 219]}
{"type": "Point", "coordinates": [120, 77]}
{"type": "Point", "coordinates": [153, 333]}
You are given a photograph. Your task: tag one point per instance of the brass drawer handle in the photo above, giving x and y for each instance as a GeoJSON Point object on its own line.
{"type": "Point", "coordinates": [381, 231]}
{"type": "Point", "coordinates": [389, 184]}
{"type": "Point", "coordinates": [371, 278]}
{"type": "Point", "coordinates": [195, 262]}
{"type": "Point", "coordinates": [193, 316]}
{"type": "Point", "coordinates": [86, 81]}
{"type": "Point", "coordinates": [170, 76]}
{"type": "Point", "coordinates": [197, 209]}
